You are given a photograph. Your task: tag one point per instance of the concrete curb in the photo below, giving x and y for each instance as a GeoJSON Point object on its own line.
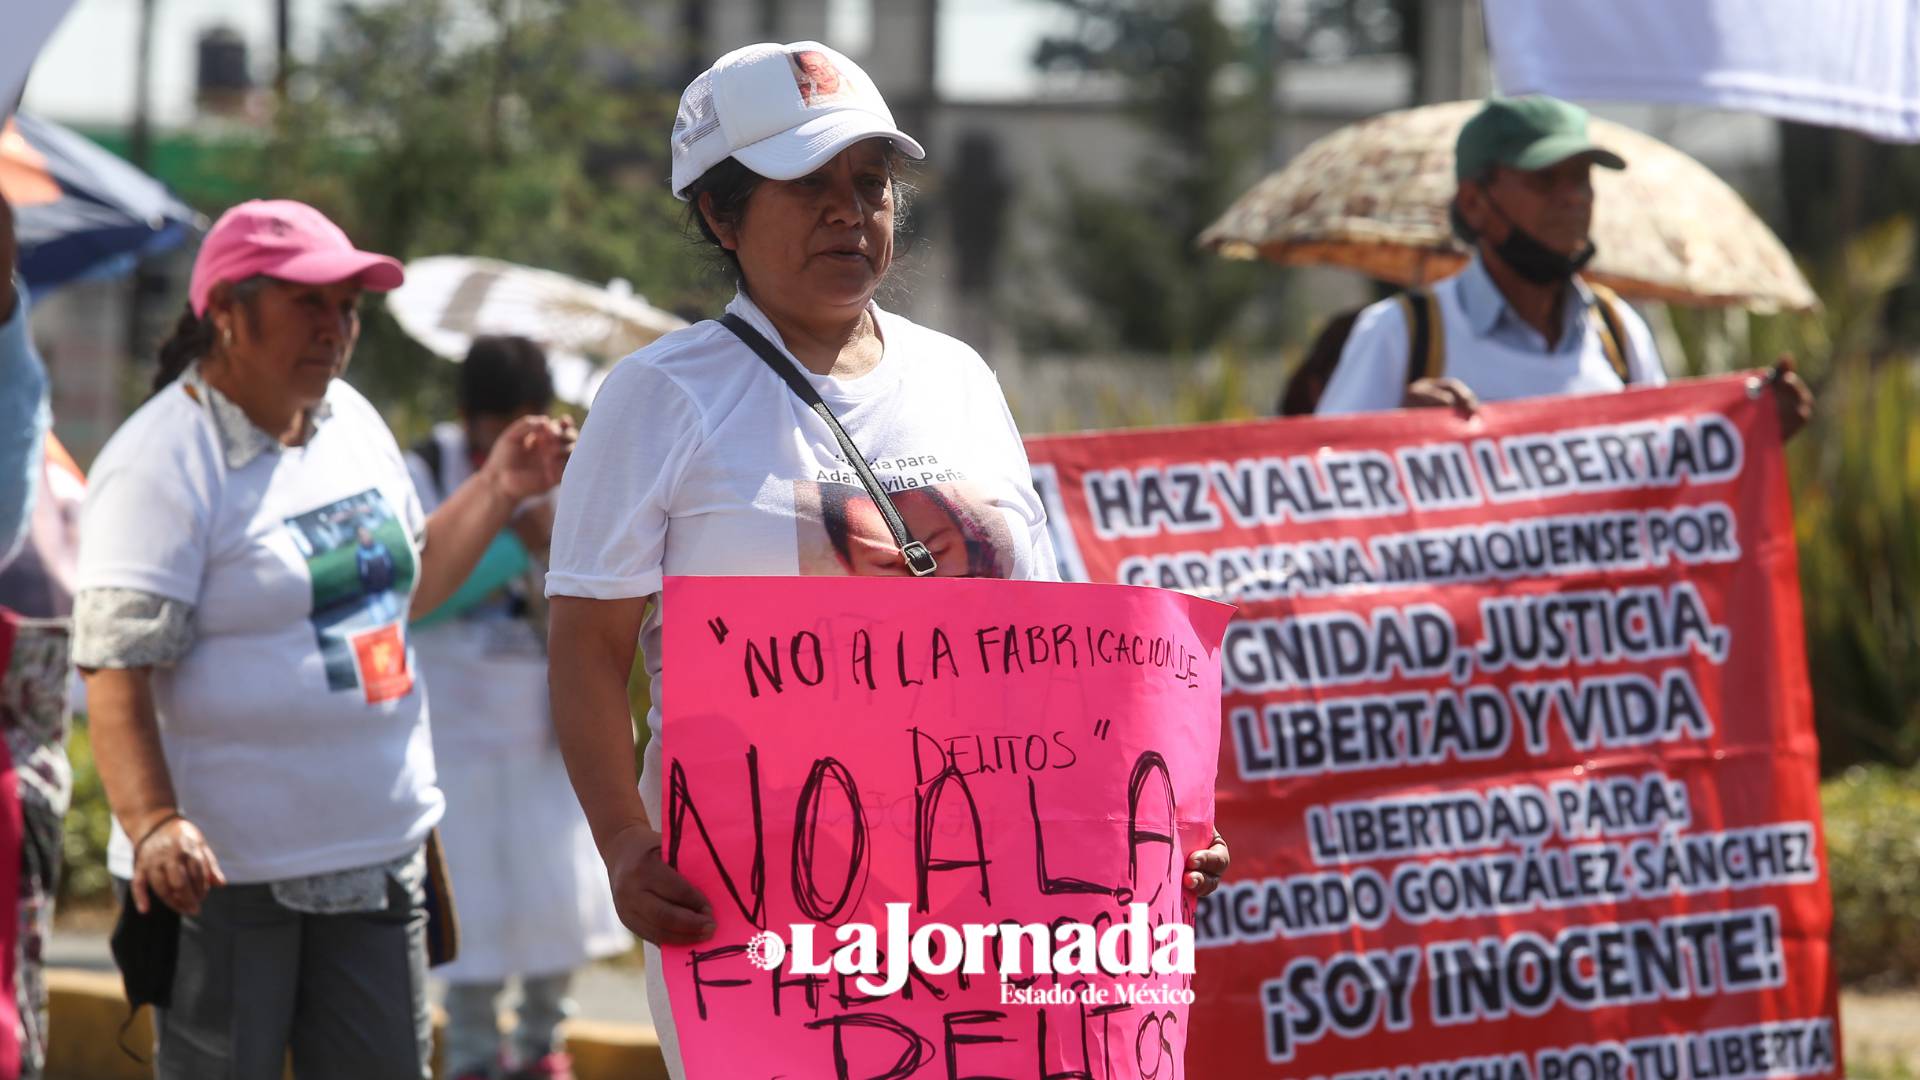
{"type": "Point", "coordinates": [88, 1008]}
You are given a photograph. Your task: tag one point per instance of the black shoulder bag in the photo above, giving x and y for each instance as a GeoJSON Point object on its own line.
{"type": "Point", "coordinates": [918, 558]}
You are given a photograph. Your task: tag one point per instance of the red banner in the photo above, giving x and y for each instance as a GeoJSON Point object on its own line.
{"type": "Point", "coordinates": [1517, 760]}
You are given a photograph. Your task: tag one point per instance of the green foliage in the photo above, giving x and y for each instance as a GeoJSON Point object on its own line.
{"type": "Point", "coordinates": [1856, 482]}
{"type": "Point", "coordinates": [83, 854]}
{"type": "Point", "coordinates": [1149, 288]}
{"type": "Point", "coordinates": [1878, 1068]}
{"type": "Point", "coordinates": [1128, 249]}
{"type": "Point", "coordinates": [1873, 864]}
{"type": "Point", "coordinates": [518, 130]}
{"type": "Point", "coordinates": [1856, 288]}
{"type": "Point", "coordinates": [1857, 519]}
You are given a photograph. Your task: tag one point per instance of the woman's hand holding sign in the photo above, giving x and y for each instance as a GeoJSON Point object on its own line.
{"type": "Point", "coordinates": [653, 899]}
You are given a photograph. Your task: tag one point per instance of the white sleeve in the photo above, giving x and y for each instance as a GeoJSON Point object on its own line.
{"type": "Point", "coordinates": [1643, 352]}
{"type": "Point", "coordinates": [1046, 566]}
{"type": "Point", "coordinates": [1372, 373]}
{"type": "Point", "coordinates": [148, 519]}
{"type": "Point", "coordinates": [610, 527]}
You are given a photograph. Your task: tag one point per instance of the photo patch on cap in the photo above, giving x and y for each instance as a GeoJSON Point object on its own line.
{"type": "Point", "coordinates": [816, 76]}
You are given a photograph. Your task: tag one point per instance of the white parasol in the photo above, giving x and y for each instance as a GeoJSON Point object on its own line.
{"type": "Point", "coordinates": [448, 300]}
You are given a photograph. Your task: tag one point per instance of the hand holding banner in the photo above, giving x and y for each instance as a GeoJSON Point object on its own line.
{"type": "Point", "coordinates": [891, 791]}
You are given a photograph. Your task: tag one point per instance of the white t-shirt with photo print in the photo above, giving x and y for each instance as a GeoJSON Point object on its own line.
{"type": "Point", "coordinates": [294, 728]}
{"type": "Point", "coordinates": [697, 459]}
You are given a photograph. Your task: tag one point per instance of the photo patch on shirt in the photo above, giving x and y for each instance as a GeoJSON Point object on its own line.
{"type": "Point", "coordinates": [841, 531]}
{"type": "Point", "coordinates": [380, 655]}
{"type": "Point", "coordinates": [362, 571]}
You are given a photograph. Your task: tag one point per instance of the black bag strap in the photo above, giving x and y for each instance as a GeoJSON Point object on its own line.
{"type": "Point", "coordinates": [918, 558]}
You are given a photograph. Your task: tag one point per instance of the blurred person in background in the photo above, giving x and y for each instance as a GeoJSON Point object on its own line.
{"type": "Point", "coordinates": [1519, 321]}
{"type": "Point", "coordinates": [534, 904]}
{"type": "Point", "coordinates": [34, 652]}
{"type": "Point", "coordinates": [256, 719]}
{"type": "Point", "coordinates": [25, 412]}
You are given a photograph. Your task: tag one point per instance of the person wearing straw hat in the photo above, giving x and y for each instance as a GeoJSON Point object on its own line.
{"type": "Point", "coordinates": [711, 452]}
{"type": "Point", "coordinates": [1518, 321]}
{"type": "Point", "coordinates": [256, 719]}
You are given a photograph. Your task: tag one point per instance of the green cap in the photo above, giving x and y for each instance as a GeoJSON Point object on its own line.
{"type": "Point", "coordinates": [1527, 133]}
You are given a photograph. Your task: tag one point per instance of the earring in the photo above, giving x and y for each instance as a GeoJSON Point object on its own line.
{"type": "Point", "coordinates": [226, 336]}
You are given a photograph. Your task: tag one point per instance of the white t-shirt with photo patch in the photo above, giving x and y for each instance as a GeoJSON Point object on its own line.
{"type": "Point", "coordinates": [698, 459]}
{"type": "Point", "coordinates": [294, 728]}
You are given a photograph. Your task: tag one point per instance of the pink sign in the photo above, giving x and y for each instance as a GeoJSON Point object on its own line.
{"type": "Point", "coordinates": [942, 824]}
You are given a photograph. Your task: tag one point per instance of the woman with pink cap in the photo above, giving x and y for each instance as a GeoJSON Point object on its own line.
{"type": "Point", "coordinates": [766, 442]}
{"type": "Point", "coordinates": [252, 546]}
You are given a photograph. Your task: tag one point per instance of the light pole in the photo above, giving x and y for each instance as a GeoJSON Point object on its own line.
{"type": "Point", "coordinates": [140, 138]}
{"type": "Point", "coordinates": [140, 152]}
{"type": "Point", "coordinates": [1452, 52]}
{"type": "Point", "coordinates": [282, 47]}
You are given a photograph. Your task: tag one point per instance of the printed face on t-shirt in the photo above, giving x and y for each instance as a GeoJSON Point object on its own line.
{"type": "Point", "coordinates": [843, 532]}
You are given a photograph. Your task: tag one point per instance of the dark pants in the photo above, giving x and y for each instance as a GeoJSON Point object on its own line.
{"type": "Point", "coordinates": [346, 993]}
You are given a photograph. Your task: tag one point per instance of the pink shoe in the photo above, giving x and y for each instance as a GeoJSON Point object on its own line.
{"type": "Point", "coordinates": [556, 1066]}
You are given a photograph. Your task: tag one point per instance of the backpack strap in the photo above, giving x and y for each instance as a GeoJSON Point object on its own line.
{"type": "Point", "coordinates": [1309, 380]}
{"type": "Point", "coordinates": [1426, 335]}
{"type": "Point", "coordinates": [1605, 315]}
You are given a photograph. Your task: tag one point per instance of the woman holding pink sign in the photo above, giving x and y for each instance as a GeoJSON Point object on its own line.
{"type": "Point", "coordinates": [771, 441]}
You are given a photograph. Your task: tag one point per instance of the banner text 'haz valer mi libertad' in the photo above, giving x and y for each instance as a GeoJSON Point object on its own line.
{"type": "Point", "coordinates": [1517, 761]}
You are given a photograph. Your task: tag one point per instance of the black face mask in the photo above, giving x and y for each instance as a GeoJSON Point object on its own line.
{"type": "Point", "coordinates": [1534, 260]}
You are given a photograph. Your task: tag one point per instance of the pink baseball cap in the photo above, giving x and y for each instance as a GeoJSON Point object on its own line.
{"type": "Point", "coordinates": [288, 240]}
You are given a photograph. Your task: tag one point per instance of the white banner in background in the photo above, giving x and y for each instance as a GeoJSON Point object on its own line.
{"type": "Point", "coordinates": [1843, 63]}
{"type": "Point", "coordinates": [28, 24]}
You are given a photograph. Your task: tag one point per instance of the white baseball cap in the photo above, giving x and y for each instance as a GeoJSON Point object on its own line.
{"type": "Point", "coordinates": [781, 110]}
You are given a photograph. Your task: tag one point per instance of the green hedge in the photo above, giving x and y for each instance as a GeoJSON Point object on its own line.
{"type": "Point", "coordinates": [83, 872]}
{"type": "Point", "coordinates": [1856, 486]}
{"type": "Point", "coordinates": [1873, 864]}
